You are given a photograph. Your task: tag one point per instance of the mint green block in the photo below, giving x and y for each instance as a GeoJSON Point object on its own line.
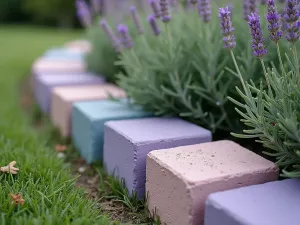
{"type": "Point", "coordinates": [88, 120]}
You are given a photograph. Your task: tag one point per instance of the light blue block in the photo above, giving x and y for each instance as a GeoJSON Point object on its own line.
{"type": "Point", "coordinates": [88, 120]}
{"type": "Point", "coordinates": [63, 54]}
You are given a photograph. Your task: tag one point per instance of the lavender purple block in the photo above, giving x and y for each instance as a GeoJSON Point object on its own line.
{"type": "Point", "coordinates": [273, 203]}
{"type": "Point", "coordinates": [44, 83]}
{"type": "Point", "coordinates": [127, 143]}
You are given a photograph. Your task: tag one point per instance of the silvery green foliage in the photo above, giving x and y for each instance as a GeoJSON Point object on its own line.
{"type": "Point", "coordinates": [101, 59]}
{"type": "Point", "coordinates": [272, 114]}
{"type": "Point", "coordinates": [182, 72]}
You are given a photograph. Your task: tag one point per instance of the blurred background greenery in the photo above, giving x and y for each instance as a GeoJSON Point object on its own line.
{"type": "Point", "coordinates": [43, 12]}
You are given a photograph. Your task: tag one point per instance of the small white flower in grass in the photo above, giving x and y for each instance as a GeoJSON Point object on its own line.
{"type": "Point", "coordinates": [81, 169]}
{"type": "Point", "coordinates": [61, 155]}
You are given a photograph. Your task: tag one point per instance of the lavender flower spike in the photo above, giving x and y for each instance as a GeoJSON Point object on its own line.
{"type": "Point", "coordinates": [292, 22]}
{"type": "Point", "coordinates": [136, 20]}
{"type": "Point", "coordinates": [155, 8]}
{"type": "Point", "coordinates": [258, 47]}
{"type": "Point", "coordinates": [154, 25]}
{"type": "Point", "coordinates": [227, 28]}
{"type": "Point", "coordinates": [273, 18]}
{"type": "Point", "coordinates": [84, 13]}
{"type": "Point", "coordinates": [124, 36]}
{"type": "Point", "coordinates": [246, 9]}
{"type": "Point", "coordinates": [204, 9]}
{"type": "Point", "coordinates": [164, 9]}
{"type": "Point", "coordinates": [114, 40]}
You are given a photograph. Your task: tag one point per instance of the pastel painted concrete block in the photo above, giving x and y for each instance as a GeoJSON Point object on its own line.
{"type": "Point", "coordinates": [180, 179]}
{"type": "Point", "coordinates": [82, 46]}
{"type": "Point", "coordinates": [64, 97]}
{"type": "Point", "coordinates": [273, 203]}
{"type": "Point", "coordinates": [43, 65]}
{"type": "Point", "coordinates": [88, 120]}
{"type": "Point", "coordinates": [127, 143]}
{"type": "Point", "coordinates": [62, 54]}
{"type": "Point", "coordinates": [46, 82]}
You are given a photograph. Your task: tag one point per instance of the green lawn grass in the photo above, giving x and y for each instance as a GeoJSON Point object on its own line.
{"type": "Point", "coordinates": [44, 181]}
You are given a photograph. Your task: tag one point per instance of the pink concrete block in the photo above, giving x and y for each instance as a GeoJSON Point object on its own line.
{"type": "Point", "coordinates": [44, 65]}
{"type": "Point", "coordinates": [180, 179]}
{"type": "Point", "coordinates": [82, 46]}
{"type": "Point", "coordinates": [64, 97]}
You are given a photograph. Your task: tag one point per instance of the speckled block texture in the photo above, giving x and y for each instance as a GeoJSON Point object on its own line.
{"type": "Point", "coordinates": [63, 54]}
{"type": "Point", "coordinates": [88, 120]}
{"type": "Point", "coordinates": [64, 97]}
{"type": "Point", "coordinates": [43, 65]}
{"type": "Point", "coordinates": [273, 203]}
{"type": "Point", "coordinates": [82, 46]}
{"type": "Point", "coordinates": [127, 143]}
{"type": "Point", "coordinates": [180, 179]}
{"type": "Point", "coordinates": [46, 82]}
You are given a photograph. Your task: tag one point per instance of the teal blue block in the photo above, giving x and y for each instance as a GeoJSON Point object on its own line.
{"type": "Point", "coordinates": [88, 120]}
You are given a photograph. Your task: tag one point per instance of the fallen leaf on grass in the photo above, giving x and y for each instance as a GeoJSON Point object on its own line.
{"type": "Point", "coordinates": [17, 199]}
{"type": "Point", "coordinates": [10, 168]}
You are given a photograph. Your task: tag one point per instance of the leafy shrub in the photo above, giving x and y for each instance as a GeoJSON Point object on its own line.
{"type": "Point", "coordinates": [10, 11]}
{"type": "Point", "coordinates": [52, 11]}
{"type": "Point", "coordinates": [272, 113]}
{"type": "Point", "coordinates": [186, 72]}
{"type": "Point", "coordinates": [101, 59]}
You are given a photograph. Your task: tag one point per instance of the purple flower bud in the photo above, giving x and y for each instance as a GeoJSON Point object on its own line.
{"type": "Point", "coordinates": [164, 9]}
{"type": "Point", "coordinates": [155, 8]}
{"type": "Point", "coordinates": [258, 47]}
{"type": "Point", "coordinates": [193, 2]}
{"type": "Point", "coordinates": [292, 23]}
{"type": "Point", "coordinates": [114, 40]}
{"type": "Point", "coordinates": [227, 28]}
{"type": "Point", "coordinates": [273, 18]}
{"type": "Point", "coordinates": [154, 25]}
{"type": "Point", "coordinates": [204, 9]}
{"type": "Point", "coordinates": [84, 13]}
{"type": "Point", "coordinates": [124, 36]}
{"type": "Point", "coordinates": [136, 20]}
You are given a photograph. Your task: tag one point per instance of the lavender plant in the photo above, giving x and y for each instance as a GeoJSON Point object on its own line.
{"type": "Point", "coordinates": [104, 37]}
{"type": "Point", "coordinates": [179, 68]}
{"type": "Point", "coordinates": [272, 111]}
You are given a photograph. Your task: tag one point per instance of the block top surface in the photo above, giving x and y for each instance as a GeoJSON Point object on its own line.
{"type": "Point", "coordinates": [274, 203]}
{"type": "Point", "coordinates": [98, 110]}
{"type": "Point", "coordinates": [157, 129]}
{"type": "Point", "coordinates": [209, 161]}
{"type": "Point", "coordinates": [82, 92]}
{"type": "Point", "coordinates": [63, 51]}
{"type": "Point", "coordinates": [66, 78]}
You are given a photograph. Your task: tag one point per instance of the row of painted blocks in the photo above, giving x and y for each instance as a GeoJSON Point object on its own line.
{"type": "Point", "coordinates": [178, 180]}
